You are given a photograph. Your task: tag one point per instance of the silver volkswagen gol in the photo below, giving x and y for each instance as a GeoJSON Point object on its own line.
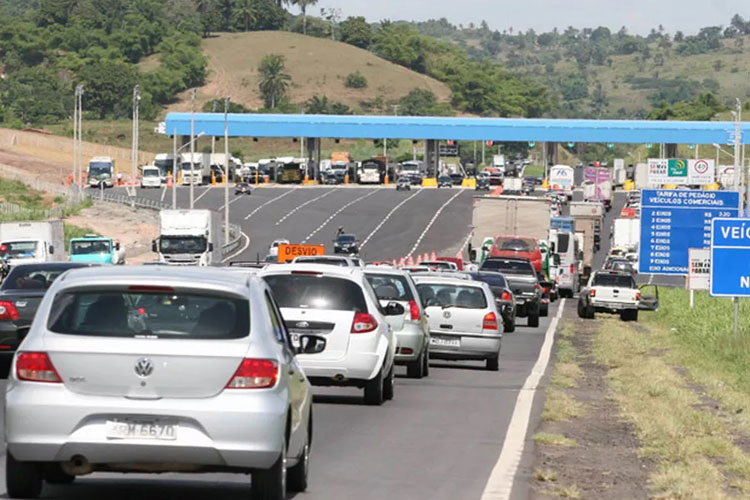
{"type": "Point", "coordinates": [158, 369]}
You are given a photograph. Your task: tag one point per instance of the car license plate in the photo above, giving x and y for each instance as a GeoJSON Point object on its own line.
{"type": "Point", "coordinates": [445, 342]}
{"type": "Point", "coordinates": [141, 429]}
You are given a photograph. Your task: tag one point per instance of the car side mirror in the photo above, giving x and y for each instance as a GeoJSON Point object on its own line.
{"type": "Point", "coordinates": [210, 247]}
{"type": "Point", "coordinates": [52, 249]}
{"type": "Point", "coordinates": [311, 344]}
{"type": "Point", "coordinates": [394, 309]}
{"type": "Point", "coordinates": [117, 245]}
{"type": "Point", "coordinates": [153, 246]}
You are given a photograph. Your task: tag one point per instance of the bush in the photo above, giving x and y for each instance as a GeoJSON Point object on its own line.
{"type": "Point", "coordinates": [356, 80]}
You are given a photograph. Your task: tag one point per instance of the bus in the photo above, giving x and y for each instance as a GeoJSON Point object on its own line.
{"type": "Point", "coordinates": [101, 171]}
{"type": "Point", "coordinates": [561, 179]}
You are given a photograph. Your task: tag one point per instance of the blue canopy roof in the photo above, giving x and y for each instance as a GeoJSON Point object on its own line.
{"type": "Point", "coordinates": [472, 129]}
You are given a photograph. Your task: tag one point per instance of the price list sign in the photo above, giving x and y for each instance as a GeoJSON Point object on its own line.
{"type": "Point", "coordinates": [674, 221]}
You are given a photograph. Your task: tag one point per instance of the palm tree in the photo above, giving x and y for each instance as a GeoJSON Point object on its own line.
{"type": "Point", "coordinates": [273, 82]}
{"type": "Point", "coordinates": [244, 14]}
{"type": "Point", "coordinates": [303, 5]}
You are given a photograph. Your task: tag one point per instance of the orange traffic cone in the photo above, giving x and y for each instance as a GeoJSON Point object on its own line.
{"type": "Point", "coordinates": [411, 261]}
{"type": "Point", "coordinates": [434, 257]}
{"type": "Point", "coordinates": [419, 259]}
{"type": "Point", "coordinates": [169, 180]}
{"type": "Point", "coordinates": [402, 263]}
{"type": "Point", "coordinates": [426, 256]}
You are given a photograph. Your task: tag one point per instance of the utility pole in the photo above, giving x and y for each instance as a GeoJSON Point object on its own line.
{"type": "Point", "coordinates": [134, 153]}
{"type": "Point", "coordinates": [226, 171]}
{"type": "Point", "coordinates": [213, 137]}
{"type": "Point", "coordinates": [77, 183]}
{"type": "Point", "coordinates": [192, 148]}
{"type": "Point", "coordinates": [174, 170]}
{"type": "Point", "coordinates": [74, 184]}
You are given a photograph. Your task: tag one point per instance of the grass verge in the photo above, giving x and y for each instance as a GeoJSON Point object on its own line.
{"type": "Point", "coordinates": [549, 439]}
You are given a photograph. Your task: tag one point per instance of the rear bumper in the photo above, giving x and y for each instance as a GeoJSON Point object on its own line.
{"type": "Point", "coordinates": [472, 346]}
{"type": "Point", "coordinates": [354, 368]}
{"type": "Point", "coordinates": [600, 306]}
{"type": "Point", "coordinates": [49, 423]}
{"type": "Point", "coordinates": [412, 337]}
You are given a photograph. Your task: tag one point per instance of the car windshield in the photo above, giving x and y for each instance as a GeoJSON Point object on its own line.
{"type": "Point", "coordinates": [312, 291]}
{"type": "Point", "coordinates": [439, 295]}
{"type": "Point", "coordinates": [614, 280]}
{"type": "Point", "coordinates": [32, 277]}
{"type": "Point", "coordinates": [347, 238]}
{"type": "Point", "coordinates": [509, 266]}
{"type": "Point", "coordinates": [182, 244]}
{"type": "Point", "coordinates": [21, 249]}
{"type": "Point", "coordinates": [112, 313]}
{"type": "Point", "coordinates": [390, 286]}
{"type": "Point", "coordinates": [150, 173]}
{"type": "Point", "coordinates": [99, 168]}
{"type": "Point", "coordinates": [89, 247]}
{"type": "Point", "coordinates": [516, 244]}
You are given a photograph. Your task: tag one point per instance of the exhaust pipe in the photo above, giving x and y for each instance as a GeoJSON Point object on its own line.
{"type": "Point", "coordinates": [77, 466]}
{"type": "Point", "coordinates": [339, 377]}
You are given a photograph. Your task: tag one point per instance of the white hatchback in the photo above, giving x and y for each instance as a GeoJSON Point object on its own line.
{"type": "Point", "coordinates": [464, 320]}
{"type": "Point", "coordinates": [338, 304]}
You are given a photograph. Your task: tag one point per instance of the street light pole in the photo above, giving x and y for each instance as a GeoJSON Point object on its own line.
{"type": "Point", "coordinates": [174, 170]}
{"type": "Point", "coordinates": [134, 153]}
{"type": "Point", "coordinates": [192, 148]}
{"type": "Point", "coordinates": [226, 171]}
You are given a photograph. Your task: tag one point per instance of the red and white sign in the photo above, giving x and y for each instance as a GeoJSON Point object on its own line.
{"type": "Point", "coordinates": [699, 268]}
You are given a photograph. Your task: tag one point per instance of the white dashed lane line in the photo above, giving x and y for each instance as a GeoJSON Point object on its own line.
{"type": "Point", "coordinates": [278, 222]}
{"type": "Point", "coordinates": [269, 202]}
{"type": "Point", "coordinates": [432, 221]}
{"type": "Point", "coordinates": [337, 212]}
{"type": "Point", "coordinates": [369, 236]}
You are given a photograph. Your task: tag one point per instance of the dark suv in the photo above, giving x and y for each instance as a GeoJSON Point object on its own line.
{"type": "Point", "coordinates": [523, 281]}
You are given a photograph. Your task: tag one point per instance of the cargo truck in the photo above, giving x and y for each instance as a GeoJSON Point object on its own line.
{"type": "Point", "coordinates": [189, 238]}
{"type": "Point", "coordinates": [561, 179]}
{"type": "Point", "coordinates": [589, 227]}
{"type": "Point", "coordinates": [626, 233]}
{"type": "Point", "coordinates": [196, 172]}
{"type": "Point", "coordinates": [32, 242]}
{"type": "Point", "coordinates": [597, 186]}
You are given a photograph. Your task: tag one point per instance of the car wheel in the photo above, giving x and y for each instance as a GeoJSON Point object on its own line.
{"type": "Point", "coordinates": [270, 484]}
{"type": "Point", "coordinates": [544, 310]}
{"type": "Point", "coordinates": [534, 320]}
{"type": "Point", "coordinates": [22, 479]}
{"type": "Point", "coordinates": [581, 310]}
{"type": "Point", "coordinates": [54, 474]}
{"type": "Point", "coordinates": [297, 475]}
{"type": "Point", "coordinates": [389, 384]}
{"type": "Point", "coordinates": [493, 364]}
{"type": "Point", "coordinates": [415, 369]}
{"type": "Point", "coordinates": [374, 390]}
{"type": "Point", "coordinates": [426, 358]}
{"type": "Point", "coordinates": [510, 327]}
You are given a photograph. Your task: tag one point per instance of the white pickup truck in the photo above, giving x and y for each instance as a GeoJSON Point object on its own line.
{"type": "Point", "coordinates": [617, 293]}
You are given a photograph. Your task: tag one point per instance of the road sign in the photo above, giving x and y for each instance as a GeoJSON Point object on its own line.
{"type": "Point", "coordinates": [730, 257]}
{"type": "Point", "coordinates": [673, 221]}
{"type": "Point", "coordinates": [290, 252]}
{"type": "Point", "coordinates": [450, 150]}
{"type": "Point", "coordinates": [698, 268]}
{"type": "Point", "coordinates": [679, 171]}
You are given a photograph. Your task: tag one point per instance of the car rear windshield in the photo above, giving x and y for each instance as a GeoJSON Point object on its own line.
{"type": "Point", "coordinates": [390, 287]}
{"type": "Point", "coordinates": [346, 238]}
{"type": "Point", "coordinates": [307, 291]}
{"type": "Point", "coordinates": [508, 266]}
{"type": "Point", "coordinates": [109, 313]}
{"type": "Point", "coordinates": [563, 241]}
{"type": "Point", "coordinates": [492, 279]}
{"type": "Point", "coordinates": [614, 280]}
{"type": "Point", "coordinates": [32, 278]}
{"type": "Point", "coordinates": [322, 260]}
{"type": "Point", "coordinates": [518, 244]}
{"type": "Point", "coordinates": [468, 297]}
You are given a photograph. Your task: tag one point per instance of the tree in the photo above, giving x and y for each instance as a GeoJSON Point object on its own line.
{"type": "Point", "coordinates": [108, 87]}
{"type": "Point", "coordinates": [356, 31]}
{"type": "Point", "coordinates": [274, 82]}
{"type": "Point", "coordinates": [244, 14]}
{"type": "Point", "coordinates": [355, 80]}
{"type": "Point", "coordinates": [303, 5]}
{"type": "Point", "coordinates": [679, 36]}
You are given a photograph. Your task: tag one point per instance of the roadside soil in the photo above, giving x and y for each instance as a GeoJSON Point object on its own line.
{"type": "Point", "coordinates": [605, 462]}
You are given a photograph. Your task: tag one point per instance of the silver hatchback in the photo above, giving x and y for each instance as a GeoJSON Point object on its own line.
{"type": "Point", "coordinates": [158, 369]}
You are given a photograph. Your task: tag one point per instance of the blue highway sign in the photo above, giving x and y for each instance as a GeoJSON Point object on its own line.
{"type": "Point", "coordinates": [673, 221]}
{"type": "Point", "coordinates": [730, 258]}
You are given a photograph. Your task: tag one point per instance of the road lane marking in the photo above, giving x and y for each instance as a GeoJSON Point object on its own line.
{"type": "Point", "coordinates": [235, 254]}
{"type": "Point", "coordinates": [388, 217]}
{"type": "Point", "coordinates": [303, 205]}
{"type": "Point", "coordinates": [163, 193]}
{"type": "Point", "coordinates": [429, 225]}
{"type": "Point", "coordinates": [333, 216]}
{"type": "Point", "coordinates": [202, 195]}
{"type": "Point", "coordinates": [500, 482]}
{"type": "Point", "coordinates": [233, 200]}
{"type": "Point", "coordinates": [269, 202]}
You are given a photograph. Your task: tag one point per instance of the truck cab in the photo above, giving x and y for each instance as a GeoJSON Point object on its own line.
{"type": "Point", "coordinates": [95, 249]}
{"type": "Point", "coordinates": [188, 238]}
{"type": "Point", "coordinates": [32, 242]}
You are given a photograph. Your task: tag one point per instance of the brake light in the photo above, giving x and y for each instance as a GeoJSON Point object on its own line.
{"type": "Point", "coordinates": [150, 288]}
{"type": "Point", "coordinates": [545, 289]}
{"type": "Point", "coordinates": [637, 295]}
{"type": "Point", "coordinates": [36, 367]}
{"type": "Point", "coordinates": [536, 287]}
{"type": "Point", "coordinates": [592, 293]}
{"type": "Point", "coordinates": [490, 322]}
{"type": "Point", "coordinates": [414, 310]}
{"type": "Point", "coordinates": [572, 268]}
{"type": "Point", "coordinates": [363, 323]}
{"type": "Point", "coordinates": [506, 296]}
{"type": "Point", "coordinates": [8, 310]}
{"type": "Point", "coordinates": [255, 374]}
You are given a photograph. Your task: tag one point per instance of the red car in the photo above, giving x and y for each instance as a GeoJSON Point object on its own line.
{"type": "Point", "coordinates": [518, 246]}
{"type": "Point", "coordinates": [455, 260]}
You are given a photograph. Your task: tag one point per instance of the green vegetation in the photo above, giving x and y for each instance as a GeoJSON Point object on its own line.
{"type": "Point", "coordinates": [72, 231]}
{"type": "Point", "coordinates": [545, 438]}
{"type": "Point", "coordinates": [274, 82]}
{"type": "Point", "coordinates": [356, 80]}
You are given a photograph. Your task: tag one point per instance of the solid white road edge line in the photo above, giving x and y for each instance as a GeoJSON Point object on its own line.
{"type": "Point", "coordinates": [269, 202]}
{"type": "Point", "coordinates": [235, 254]}
{"type": "Point", "coordinates": [434, 218]}
{"type": "Point", "coordinates": [278, 222]}
{"type": "Point", "coordinates": [329, 219]}
{"type": "Point", "coordinates": [202, 194]}
{"type": "Point", "coordinates": [500, 482]}
{"type": "Point", "coordinates": [369, 236]}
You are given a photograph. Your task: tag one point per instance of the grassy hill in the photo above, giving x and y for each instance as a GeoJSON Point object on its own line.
{"type": "Point", "coordinates": [317, 66]}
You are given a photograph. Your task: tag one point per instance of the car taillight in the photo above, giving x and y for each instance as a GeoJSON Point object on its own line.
{"type": "Point", "coordinates": [506, 296]}
{"type": "Point", "coordinates": [255, 374]}
{"type": "Point", "coordinates": [414, 310]}
{"type": "Point", "coordinates": [637, 295]}
{"type": "Point", "coordinates": [592, 293]}
{"type": "Point", "coordinates": [545, 289]}
{"type": "Point", "coordinates": [363, 323]}
{"type": "Point", "coordinates": [572, 268]}
{"type": "Point", "coordinates": [8, 310]}
{"type": "Point", "coordinates": [536, 287]}
{"type": "Point", "coordinates": [36, 367]}
{"type": "Point", "coordinates": [490, 322]}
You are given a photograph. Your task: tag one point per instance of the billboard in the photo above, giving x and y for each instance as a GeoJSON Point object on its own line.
{"type": "Point", "coordinates": [681, 171]}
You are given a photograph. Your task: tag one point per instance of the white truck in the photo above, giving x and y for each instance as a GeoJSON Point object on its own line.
{"type": "Point", "coordinates": [217, 165]}
{"type": "Point", "coordinates": [196, 172]}
{"type": "Point", "coordinates": [626, 233]}
{"type": "Point", "coordinates": [498, 162]}
{"type": "Point", "coordinates": [369, 174]}
{"type": "Point", "coordinates": [610, 292]}
{"type": "Point", "coordinates": [150, 177]}
{"type": "Point", "coordinates": [189, 238]}
{"type": "Point", "coordinates": [32, 242]}
{"type": "Point", "coordinates": [165, 163]}
{"type": "Point", "coordinates": [619, 173]}
{"type": "Point", "coordinates": [512, 185]}
{"type": "Point", "coordinates": [586, 209]}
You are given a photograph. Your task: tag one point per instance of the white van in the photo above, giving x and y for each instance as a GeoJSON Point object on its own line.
{"type": "Point", "coordinates": [567, 247]}
{"type": "Point", "coordinates": [150, 176]}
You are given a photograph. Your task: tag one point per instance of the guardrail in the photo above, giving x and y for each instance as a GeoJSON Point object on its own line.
{"type": "Point", "coordinates": [235, 239]}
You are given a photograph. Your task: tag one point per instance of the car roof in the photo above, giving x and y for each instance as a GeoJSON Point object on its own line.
{"type": "Point", "coordinates": [325, 269]}
{"type": "Point", "coordinates": [440, 280]}
{"type": "Point", "coordinates": [385, 270]}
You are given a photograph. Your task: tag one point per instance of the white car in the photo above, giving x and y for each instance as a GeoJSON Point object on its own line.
{"type": "Point", "coordinates": [339, 304]}
{"type": "Point", "coordinates": [463, 317]}
{"type": "Point", "coordinates": [330, 260]}
{"type": "Point", "coordinates": [158, 369]}
{"type": "Point", "coordinates": [274, 250]}
{"type": "Point", "coordinates": [150, 177]}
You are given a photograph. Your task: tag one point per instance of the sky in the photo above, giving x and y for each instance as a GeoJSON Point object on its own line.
{"type": "Point", "coordinates": [638, 16]}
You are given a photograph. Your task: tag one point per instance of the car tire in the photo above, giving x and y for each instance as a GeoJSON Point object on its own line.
{"type": "Point", "coordinates": [22, 479]}
{"type": "Point", "coordinates": [374, 390]}
{"type": "Point", "coordinates": [493, 364]}
{"type": "Point", "coordinates": [426, 369]}
{"type": "Point", "coordinates": [415, 369]}
{"type": "Point", "coordinates": [629, 315]}
{"type": "Point", "coordinates": [509, 328]}
{"type": "Point", "coordinates": [270, 484]}
{"type": "Point", "coordinates": [533, 320]}
{"type": "Point", "coordinates": [297, 476]}
{"type": "Point", "coordinates": [544, 310]}
{"type": "Point", "coordinates": [389, 384]}
{"type": "Point", "coordinates": [54, 474]}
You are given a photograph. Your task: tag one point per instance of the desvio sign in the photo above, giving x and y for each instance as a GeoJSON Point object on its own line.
{"type": "Point", "coordinates": [730, 258]}
{"type": "Point", "coordinates": [290, 252]}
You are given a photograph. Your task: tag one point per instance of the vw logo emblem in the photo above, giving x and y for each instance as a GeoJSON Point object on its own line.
{"type": "Point", "coordinates": [447, 314]}
{"type": "Point", "coordinates": [302, 324]}
{"type": "Point", "coordinates": [144, 367]}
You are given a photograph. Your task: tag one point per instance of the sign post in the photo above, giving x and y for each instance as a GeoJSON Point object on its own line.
{"type": "Point", "coordinates": [730, 258]}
